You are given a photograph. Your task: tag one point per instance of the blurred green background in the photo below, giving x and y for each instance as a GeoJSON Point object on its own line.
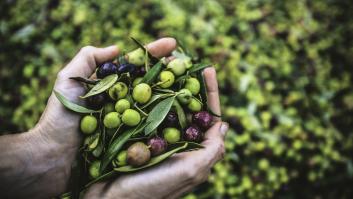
{"type": "Point", "coordinates": [284, 69]}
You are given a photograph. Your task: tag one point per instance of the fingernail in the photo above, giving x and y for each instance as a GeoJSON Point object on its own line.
{"type": "Point", "coordinates": [224, 128]}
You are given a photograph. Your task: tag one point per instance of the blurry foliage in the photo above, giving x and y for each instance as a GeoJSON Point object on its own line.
{"type": "Point", "coordinates": [284, 69]}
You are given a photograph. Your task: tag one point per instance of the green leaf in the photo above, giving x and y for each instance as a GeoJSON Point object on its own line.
{"type": "Point", "coordinates": [198, 67]}
{"type": "Point", "coordinates": [180, 113]}
{"type": "Point", "coordinates": [150, 56]}
{"type": "Point", "coordinates": [85, 80]}
{"type": "Point", "coordinates": [158, 113]}
{"type": "Point", "coordinates": [203, 88]}
{"type": "Point", "coordinates": [72, 106]}
{"type": "Point", "coordinates": [153, 161]}
{"type": "Point", "coordinates": [100, 148]}
{"type": "Point", "coordinates": [116, 145]}
{"type": "Point", "coordinates": [152, 74]}
{"type": "Point", "coordinates": [102, 86]}
{"type": "Point", "coordinates": [191, 145]}
{"type": "Point", "coordinates": [101, 177]}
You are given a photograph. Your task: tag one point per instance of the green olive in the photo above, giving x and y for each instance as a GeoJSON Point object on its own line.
{"type": "Point", "coordinates": [188, 63]}
{"type": "Point", "coordinates": [94, 169]}
{"type": "Point", "coordinates": [184, 96]}
{"type": "Point", "coordinates": [121, 105]}
{"type": "Point", "coordinates": [171, 135]}
{"type": "Point", "coordinates": [195, 105]}
{"type": "Point", "coordinates": [177, 66]}
{"type": "Point", "coordinates": [142, 93]}
{"type": "Point", "coordinates": [167, 78]}
{"type": "Point", "coordinates": [88, 124]}
{"type": "Point", "coordinates": [111, 120]}
{"type": "Point", "coordinates": [121, 158]}
{"type": "Point", "coordinates": [108, 107]}
{"type": "Point", "coordinates": [193, 85]}
{"type": "Point", "coordinates": [118, 91]}
{"type": "Point", "coordinates": [137, 81]}
{"type": "Point", "coordinates": [131, 117]}
{"type": "Point", "coordinates": [136, 57]}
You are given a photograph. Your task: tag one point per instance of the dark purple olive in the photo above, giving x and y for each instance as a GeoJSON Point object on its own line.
{"type": "Point", "coordinates": [126, 67]}
{"type": "Point", "coordinates": [139, 72]}
{"type": "Point", "coordinates": [171, 120]}
{"type": "Point", "coordinates": [193, 134]}
{"type": "Point", "coordinates": [157, 145]}
{"type": "Point", "coordinates": [106, 69]}
{"type": "Point", "coordinates": [96, 101]}
{"type": "Point", "coordinates": [202, 119]}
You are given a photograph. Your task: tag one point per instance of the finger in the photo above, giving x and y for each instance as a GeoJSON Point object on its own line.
{"type": "Point", "coordinates": [162, 47]}
{"type": "Point", "coordinates": [212, 91]}
{"type": "Point", "coordinates": [85, 62]}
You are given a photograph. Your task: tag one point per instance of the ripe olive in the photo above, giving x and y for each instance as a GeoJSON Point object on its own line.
{"type": "Point", "coordinates": [142, 93]}
{"type": "Point", "coordinates": [171, 135]}
{"type": "Point", "coordinates": [131, 117]}
{"type": "Point", "coordinates": [94, 169]}
{"type": "Point", "coordinates": [203, 119]}
{"type": "Point", "coordinates": [157, 145]}
{"type": "Point", "coordinates": [88, 124]}
{"type": "Point", "coordinates": [136, 57]}
{"type": "Point", "coordinates": [126, 68]}
{"type": "Point", "coordinates": [121, 158]}
{"type": "Point", "coordinates": [139, 72]}
{"type": "Point", "coordinates": [177, 66]}
{"type": "Point", "coordinates": [195, 105]}
{"type": "Point", "coordinates": [96, 101]}
{"type": "Point", "coordinates": [170, 120]}
{"type": "Point", "coordinates": [184, 96]}
{"type": "Point", "coordinates": [118, 91]}
{"type": "Point", "coordinates": [138, 154]}
{"type": "Point", "coordinates": [111, 120]}
{"type": "Point", "coordinates": [193, 85]}
{"type": "Point", "coordinates": [108, 107]}
{"type": "Point", "coordinates": [121, 105]}
{"type": "Point", "coordinates": [137, 81]}
{"type": "Point", "coordinates": [193, 134]}
{"type": "Point", "coordinates": [167, 78]}
{"type": "Point", "coordinates": [106, 69]}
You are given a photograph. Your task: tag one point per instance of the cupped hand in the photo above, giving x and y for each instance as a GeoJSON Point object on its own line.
{"type": "Point", "coordinates": [178, 174]}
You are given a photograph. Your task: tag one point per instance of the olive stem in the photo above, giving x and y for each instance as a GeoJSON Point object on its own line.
{"type": "Point", "coordinates": [159, 83]}
{"type": "Point", "coordinates": [140, 110]}
{"type": "Point", "coordinates": [115, 133]}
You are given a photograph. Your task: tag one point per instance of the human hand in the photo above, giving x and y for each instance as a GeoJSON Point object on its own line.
{"type": "Point", "coordinates": [178, 174]}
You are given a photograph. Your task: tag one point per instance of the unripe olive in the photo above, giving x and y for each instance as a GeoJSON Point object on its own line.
{"type": "Point", "coordinates": [111, 120]}
{"type": "Point", "coordinates": [121, 158]}
{"type": "Point", "coordinates": [131, 117]}
{"type": "Point", "coordinates": [171, 135]}
{"type": "Point", "coordinates": [167, 77]}
{"type": "Point", "coordinates": [177, 66]}
{"type": "Point", "coordinates": [142, 93]}
{"type": "Point", "coordinates": [108, 107]}
{"type": "Point", "coordinates": [137, 81]}
{"type": "Point", "coordinates": [193, 85]}
{"type": "Point", "coordinates": [184, 96]}
{"type": "Point", "coordinates": [118, 91]}
{"type": "Point", "coordinates": [88, 124]}
{"type": "Point", "coordinates": [138, 154]}
{"type": "Point", "coordinates": [195, 105]}
{"type": "Point", "coordinates": [136, 57]}
{"type": "Point", "coordinates": [121, 105]}
{"type": "Point", "coordinates": [94, 169]}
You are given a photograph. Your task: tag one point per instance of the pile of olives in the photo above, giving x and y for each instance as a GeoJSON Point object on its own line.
{"type": "Point", "coordinates": [122, 97]}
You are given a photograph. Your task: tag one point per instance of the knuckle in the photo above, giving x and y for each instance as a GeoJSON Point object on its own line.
{"type": "Point", "coordinates": [220, 149]}
{"type": "Point", "coordinates": [190, 174]}
{"type": "Point", "coordinates": [87, 50]}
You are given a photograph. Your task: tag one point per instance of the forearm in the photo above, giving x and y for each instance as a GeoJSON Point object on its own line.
{"type": "Point", "coordinates": [30, 167]}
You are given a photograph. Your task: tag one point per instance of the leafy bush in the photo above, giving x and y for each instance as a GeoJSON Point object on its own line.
{"type": "Point", "coordinates": [284, 70]}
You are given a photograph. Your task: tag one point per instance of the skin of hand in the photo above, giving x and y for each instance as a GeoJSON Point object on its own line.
{"type": "Point", "coordinates": [37, 164]}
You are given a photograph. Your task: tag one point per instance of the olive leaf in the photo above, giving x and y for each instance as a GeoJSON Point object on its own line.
{"type": "Point", "coordinates": [153, 161]}
{"type": "Point", "coordinates": [203, 88]}
{"type": "Point", "coordinates": [102, 85]}
{"type": "Point", "coordinates": [72, 106]}
{"type": "Point", "coordinates": [191, 145]}
{"type": "Point", "coordinates": [85, 80]}
{"type": "Point", "coordinates": [180, 113]}
{"type": "Point", "coordinates": [76, 176]}
{"type": "Point", "coordinates": [100, 147]}
{"type": "Point", "coordinates": [116, 145]}
{"type": "Point", "coordinates": [198, 67]}
{"type": "Point", "coordinates": [151, 75]}
{"type": "Point", "coordinates": [150, 56]}
{"type": "Point", "coordinates": [101, 177]}
{"type": "Point", "coordinates": [158, 113]}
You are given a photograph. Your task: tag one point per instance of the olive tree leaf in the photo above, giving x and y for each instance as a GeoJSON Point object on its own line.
{"type": "Point", "coordinates": [151, 75]}
{"type": "Point", "coordinates": [153, 99]}
{"type": "Point", "coordinates": [116, 145]}
{"type": "Point", "coordinates": [153, 161]}
{"type": "Point", "coordinates": [101, 177]}
{"type": "Point", "coordinates": [158, 113]}
{"type": "Point", "coordinates": [102, 85]}
{"type": "Point", "coordinates": [203, 88]}
{"type": "Point", "coordinates": [180, 113]}
{"type": "Point", "coordinates": [85, 80]}
{"type": "Point", "coordinates": [72, 106]}
{"type": "Point", "coordinates": [101, 142]}
{"type": "Point", "coordinates": [198, 67]}
{"type": "Point", "coordinates": [150, 56]}
{"type": "Point", "coordinates": [191, 145]}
